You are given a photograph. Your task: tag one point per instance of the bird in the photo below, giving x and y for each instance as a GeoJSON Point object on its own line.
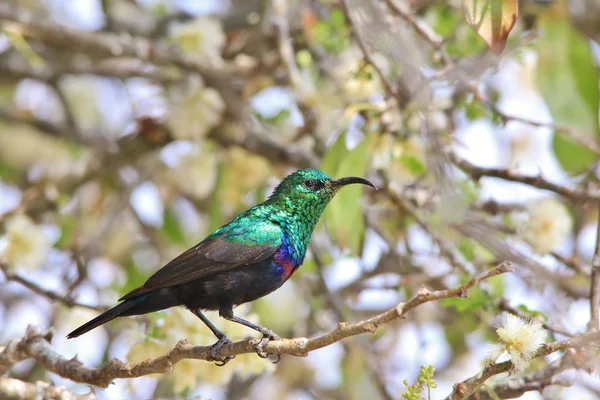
{"type": "Point", "coordinates": [245, 259]}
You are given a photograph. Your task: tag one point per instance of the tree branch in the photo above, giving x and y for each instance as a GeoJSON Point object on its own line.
{"type": "Point", "coordinates": [594, 324]}
{"type": "Point", "coordinates": [112, 45]}
{"type": "Point", "coordinates": [36, 344]}
{"type": "Point", "coordinates": [389, 86]}
{"type": "Point", "coordinates": [15, 389]}
{"type": "Point", "coordinates": [53, 296]}
{"type": "Point", "coordinates": [564, 130]}
{"type": "Point", "coordinates": [465, 388]}
{"type": "Point", "coordinates": [424, 30]}
{"type": "Point", "coordinates": [537, 181]}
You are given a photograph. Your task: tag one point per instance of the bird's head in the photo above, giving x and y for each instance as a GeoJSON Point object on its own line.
{"type": "Point", "coordinates": [310, 189]}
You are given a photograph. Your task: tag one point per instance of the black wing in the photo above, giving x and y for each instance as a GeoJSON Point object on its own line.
{"type": "Point", "coordinates": [208, 257]}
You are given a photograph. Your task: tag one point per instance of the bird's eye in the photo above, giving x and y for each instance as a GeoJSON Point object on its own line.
{"type": "Point", "coordinates": [310, 184]}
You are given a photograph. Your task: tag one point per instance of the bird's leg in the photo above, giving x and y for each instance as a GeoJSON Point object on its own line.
{"type": "Point", "coordinates": [223, 340]}
{"type": "Point", "coordinates": [268, 334]}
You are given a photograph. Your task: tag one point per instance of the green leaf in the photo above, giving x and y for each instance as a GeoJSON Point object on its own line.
{"type": "Point", "coordinates": [334, 156]}
{"type": "Point", "coordinates": [67, 225]}
{"type": "Point", "coordinates": [171, 228]}
{"type": "Point", "coordinates": [492, 20]}
{"type": "Point", "coordinates": [279, 118]}
{"type": "Point", "coordinates": [344, 217]}
{"type": "Point", "coordinates": [533, 313]}
{"type": "Point", "coordinates": [332, 33]}
{"type": "Point", "coordinates": [476, 300]}
{"type": "Point", "coordinates": [446, 21]}
{"type": "Point", "coordinates": [496, 286]}
{"type": "Point", "coordinates": [568, 81]}
{"type": "Point", "coordinates": [413, 164]}
{"type": "Point", "coordinates": [337, 19]}
{"type": "Point", "coordinates": [17, 40]}
{"type": "Point", "coordinates": [135, 278]}
{"type": "Point", "coordinates": [7, 171]}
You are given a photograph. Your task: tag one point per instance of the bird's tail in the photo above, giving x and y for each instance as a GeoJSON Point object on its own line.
{"type": "Point", "coordinates": [107, 316]}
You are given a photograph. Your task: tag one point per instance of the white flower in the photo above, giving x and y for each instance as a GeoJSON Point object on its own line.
{"type": "Point", "coordinates": [202, 39]}
{"type": "Point", "coordinates": [194, 113]}
{"type": "Point", "coordinates": [548, 225]}
{"type": "Point", "coordinates": [358, 81]}
{"type": "Point", "coordinates": [26, 245]}
{"type": "Point", "coordinates": [520, 339]}
{"type": "Point", "coordinates": [195, 173]}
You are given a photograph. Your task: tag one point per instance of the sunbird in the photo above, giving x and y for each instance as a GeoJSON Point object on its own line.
{"type": "Point", "coordinates": [244, 260]}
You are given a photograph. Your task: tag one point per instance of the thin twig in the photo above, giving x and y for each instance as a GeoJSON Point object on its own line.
{"type": "Point", "coordinates": [537, 181]}
{"type": "Point", "coordinates": [66, 300]}
{"type": "Point", "coordinates": [465, 388]}
{"type": "Point", "coordinates": [16, 389]}
{"type": "Point", "coordinates": [71, 123]}
{"type": "Point", "coordinates": [422, 29]}
{"type": "Point", "coordinates": [595, 284]}
{"type": "Point", "coordinates": [389, 86]}
{"type": "Point", "coordinates": [286, 50]}
{"type": "Point", "coordinates": [562, 129]}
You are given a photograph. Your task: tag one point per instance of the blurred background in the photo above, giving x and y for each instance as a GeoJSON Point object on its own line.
{"type": "Point", "coordinates": [129, 130]}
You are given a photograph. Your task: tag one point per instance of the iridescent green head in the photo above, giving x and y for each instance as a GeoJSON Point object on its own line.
{"type": "Point", "coordinates": [310, 189]}
{"type": "Point", "coordinates": [298, 202]}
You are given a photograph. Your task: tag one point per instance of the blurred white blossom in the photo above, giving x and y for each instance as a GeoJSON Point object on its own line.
{"type": "Point", "coordinates": [25, 244]}
{"type": "Point", "coordinates": [391, 117]}
{"type": "Point", "coordinates": [548, 225]}
{"type": "Point", "coordinates": [358, 81]}
{"type": "Point", "coordinates": [202, 39]}
{"type": "Point", "coordinates": [43, 155]}
{"type": "Point", "coordinates": [179, 324]}
{"type": "Point", "coordinates": [195, 172]}
{"type": "Point", "coordinates": [194, 113]}
{"type": "Point", "coordinates": [82, 97]}
{"type": "Point", "coordinates": [520, 339]}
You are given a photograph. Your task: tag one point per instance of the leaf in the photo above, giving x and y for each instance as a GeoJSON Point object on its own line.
{"type": "Point", "coordinates": [568, 81]}
{"type": "Point", "coordinates": [17, 40]}
{"type": "Point", "coordinates": [7, 171]}
{"type": "Point", "coordinates": [344, 216]}
{"type": "Point", "coordinates": [68, 225]}
{"type": "Point", "coordinates": [135, 278]}
{"type": "Point", "coordinates": [413, 164]}
{"type": "Point", "coordinates": [331, 33]}
{"type": "Point", "coordinates": [476, 300]}
{"type": "Point", "coordinates": [172, 229]}
{"type": "Point", "coordinates": [492, 20]}
{"type": "Point", "coordinates": [533, 313]}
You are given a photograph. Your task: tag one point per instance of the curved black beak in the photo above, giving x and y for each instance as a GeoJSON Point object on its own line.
{"type": "Point", "coordinates": [350, 180]}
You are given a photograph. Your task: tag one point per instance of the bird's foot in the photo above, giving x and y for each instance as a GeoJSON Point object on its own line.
{"type": "Point", "coordinates": [214, 349]}
{"type": "Point", "coordinates": [259, 347]}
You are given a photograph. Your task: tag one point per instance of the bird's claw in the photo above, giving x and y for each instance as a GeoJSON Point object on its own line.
{"type": "Point", "coordinates": [260, 346]}
{"type": "Point", "coordinates": [214, 349]}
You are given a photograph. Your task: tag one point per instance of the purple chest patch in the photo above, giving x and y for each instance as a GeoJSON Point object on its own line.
{"type": "Point", "coordinates": [283, 263]}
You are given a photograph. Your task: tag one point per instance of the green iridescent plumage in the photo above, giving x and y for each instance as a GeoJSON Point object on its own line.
{"type": "Point", "coordinates": [244, 260]}
{"type": "Point", "coordinates": [292, 211]}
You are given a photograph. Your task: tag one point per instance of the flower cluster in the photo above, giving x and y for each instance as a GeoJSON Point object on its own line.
{"type": "Point", "coordinates": [195, 110]}
{"type": "Point", "coordinates": [25, 244]}
{"type": "Point", "coordinates": [358, 82]}
{"type": "Point", "coordinates": [520, 339]}
{"type": "Point", "coordinates": [202, 39]}
{"type": "Point", "coordinates": [548, 225]}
